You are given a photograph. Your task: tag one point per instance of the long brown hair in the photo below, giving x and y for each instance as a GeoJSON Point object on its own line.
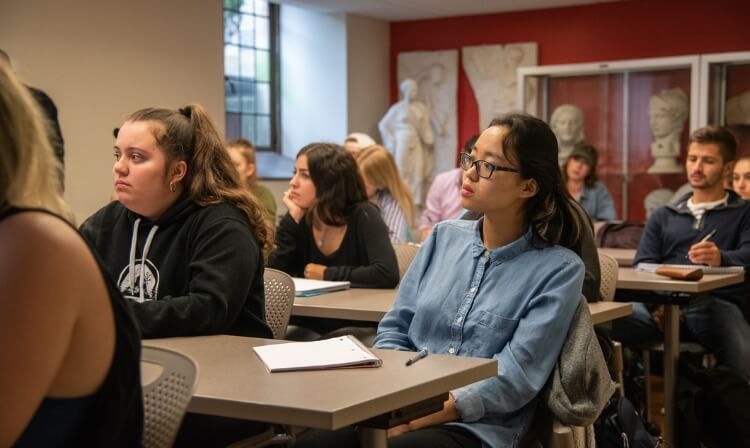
{"type": "Point", "coordinates": [379, 168]}
{"type": "Point", "coordinates": [189, 135]}
{"type": "Point", "coordinates": [338, 184]}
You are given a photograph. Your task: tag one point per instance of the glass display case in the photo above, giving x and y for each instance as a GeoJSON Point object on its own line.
{"type": "Point", "coordinates": [637, 113]}
{"type": "Point", "coordinates": [725, 94]}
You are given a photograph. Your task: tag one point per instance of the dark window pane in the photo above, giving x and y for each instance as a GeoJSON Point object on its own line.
{"type": "Point", "coordinates": [233, 126]}
{"type": "Point", "coordinates": [264, 98]}
{"type": "Point", "coordinates": [232, 4]}
{"type": "Point", "coordinates": [232, 95]}
{"type": "Point", "coordinates": [247, 30]}
{"type": "Point", "coordinates": [248, 127]}
{"type": "Point", "coordinates": [263, 131]}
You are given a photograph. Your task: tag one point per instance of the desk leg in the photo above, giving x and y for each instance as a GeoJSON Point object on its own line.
{"type": "Point", "coordinates": [373, 437]}
{"type": "Point", "coordinates": [671, 358]}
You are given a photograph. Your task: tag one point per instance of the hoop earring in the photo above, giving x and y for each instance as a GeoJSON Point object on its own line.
{"type": "Point", "coordinates": [171, 186]}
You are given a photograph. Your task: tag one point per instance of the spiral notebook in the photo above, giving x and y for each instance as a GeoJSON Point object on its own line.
{"type": "Point", "coordinates": [652, 267]}
{"type": "Point", "coordinates": [305, 287]}
{"type": "Point", "coordinates": [340, 352]}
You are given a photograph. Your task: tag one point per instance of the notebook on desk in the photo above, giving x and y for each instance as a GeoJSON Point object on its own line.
{"type": "Point", "coordinates": [339, 352]}
{"type": "Point", "coordinates": [305, 287]}
{"type": "Point", "coordinates": [652, 267]}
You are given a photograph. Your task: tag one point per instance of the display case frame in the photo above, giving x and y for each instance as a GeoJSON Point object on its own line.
{"type": "Point", "coordinates": [540, 77]}
{"type": "Point", "coordinates": [716, 95]}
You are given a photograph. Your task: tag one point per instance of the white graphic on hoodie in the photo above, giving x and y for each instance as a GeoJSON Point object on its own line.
{"type": "Point", "coordinates": [139, 281]}
{"type": "Point", "coordinates": [140, 278]}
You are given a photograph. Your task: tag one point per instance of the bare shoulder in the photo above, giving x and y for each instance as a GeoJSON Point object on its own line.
{"type": "Point", "coordinates": [41, 242]}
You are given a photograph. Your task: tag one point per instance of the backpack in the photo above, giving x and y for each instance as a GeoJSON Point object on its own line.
{"type": "Point", "coordinates": [713, 407]}
{"type": "Point", "coordinates": [620, 426]}
{"type": "Point", "coordinates": [619, 235]}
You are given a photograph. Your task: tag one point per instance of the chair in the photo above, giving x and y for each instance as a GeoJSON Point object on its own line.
{"type": "Point", "coordinates": [279, 291]}
{"type": "Point", "coordinates": [608, 267]}
{"type": "Point", "coordinates": [166, 394]}
{"type": "Point", "coordinates": [405, 253]}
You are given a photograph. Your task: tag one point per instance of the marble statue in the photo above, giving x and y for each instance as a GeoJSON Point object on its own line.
{"type": "Point", "coordinates": [436, 74]}
{"type": "Point", "coordinates": [407, 132]}
{"type": "Point", "coordinates": [567, 123]}
{"type": "Point", "coordinates": [491, 70]}
{"type": "Point", "coordinates": [667, 111]}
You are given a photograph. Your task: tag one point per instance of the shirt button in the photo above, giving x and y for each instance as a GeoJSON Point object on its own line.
{"type": "Point", "coordinates": [451, 350]}
{"type": "Point", "coordinates": [486, 253]}
{"type": "Point", "coordinates": [472, 289]}
{"type": "Point", "coordinates": [459, 319]}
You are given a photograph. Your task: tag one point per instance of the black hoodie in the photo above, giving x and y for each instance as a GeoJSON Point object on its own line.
{"type": "Point", "coordinates": [203, 268]}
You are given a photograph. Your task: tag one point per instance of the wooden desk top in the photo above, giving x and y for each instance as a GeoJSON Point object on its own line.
{"type": "Point", "coordinates": [233, 382]}
{"type": "Point", "coordinates": [629, 278]}
{"type": "Point", "coordinates": [372, 304]}
{"type": "Point", "coordinates": [624, 257]}
{"type": "Point", "coordinates": [602, 312]}
{"type": "Point", "coordinates": [355, 304]}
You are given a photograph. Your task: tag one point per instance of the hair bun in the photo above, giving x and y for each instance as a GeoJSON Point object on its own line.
{"type": "Point", "coordinates": [186, 111]}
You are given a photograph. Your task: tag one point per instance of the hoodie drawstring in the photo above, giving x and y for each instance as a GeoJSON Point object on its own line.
{"type": "Point", "coordinates": [146, 247]}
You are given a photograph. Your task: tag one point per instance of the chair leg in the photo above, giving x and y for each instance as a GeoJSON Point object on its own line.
{"type": "Point", "coordinates": [647, 384]}
{"type": "Point", "coordinates": [619, 367]}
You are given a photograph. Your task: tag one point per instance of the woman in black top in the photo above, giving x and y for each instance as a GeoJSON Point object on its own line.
{"type": "Point", "coordinates": [69, 347]}
{"type": "Point", "coordinates": [332, 232]}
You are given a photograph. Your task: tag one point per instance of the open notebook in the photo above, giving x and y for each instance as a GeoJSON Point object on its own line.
{"type": "Point", "coordinates": [305, 287]}
{"type": "Point", "coordinates": [652, 267]}
{"type": "Point", "coordinates": [342, 351]}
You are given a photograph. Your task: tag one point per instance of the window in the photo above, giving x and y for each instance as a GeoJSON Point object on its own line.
{"type": "Point", "coordinates": [251, 71]}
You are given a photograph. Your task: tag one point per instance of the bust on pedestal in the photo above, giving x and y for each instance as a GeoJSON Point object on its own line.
{"type": "Point", "coordinates": [667, 112]}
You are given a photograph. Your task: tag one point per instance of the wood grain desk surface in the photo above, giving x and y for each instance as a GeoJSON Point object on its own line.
{"type": "Point", "coordinates": [371, 305]}
{"type": "Point", "coordinates": [233, 382]}
{"type": "Point", "coordinates": [629, 278]}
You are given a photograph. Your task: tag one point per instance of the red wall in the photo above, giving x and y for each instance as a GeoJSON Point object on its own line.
{"type": "Point", "coordinates": [629, 29]}
{"type": "Point", "coordinates": [626, 29]}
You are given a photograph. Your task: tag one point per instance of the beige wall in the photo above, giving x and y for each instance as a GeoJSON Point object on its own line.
{"type": "Point", "coordinates": [368, 68]}
{"type": "Point", "coordinates": [100, 60]}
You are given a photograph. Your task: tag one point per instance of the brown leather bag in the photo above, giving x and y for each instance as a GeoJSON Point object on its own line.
{"type": "Point", "coordinates": [681, 273]}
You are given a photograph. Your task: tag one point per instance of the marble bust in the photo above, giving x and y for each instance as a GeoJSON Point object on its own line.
{"type": "Point", "coordinates": [667, 111]}
{"type": "Point", "coordinates": [407, 132]}
{"type": "Point", "coordinates": [567, 124]}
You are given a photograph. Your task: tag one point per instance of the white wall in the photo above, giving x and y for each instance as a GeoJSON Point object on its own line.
{"type": "Point", "coordinates": [100, 60]}
{"type": "Point", "coordinates": [368, 66]}
{"type": "Point", "coordinates": [313, 78]}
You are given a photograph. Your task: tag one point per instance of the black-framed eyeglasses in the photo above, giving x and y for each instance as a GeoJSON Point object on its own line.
{"type": "Point", "coordinates": [483, 167]}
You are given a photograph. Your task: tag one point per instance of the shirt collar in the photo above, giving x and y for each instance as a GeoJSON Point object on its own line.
{"type": "Point", "coordinates": [501, 253]}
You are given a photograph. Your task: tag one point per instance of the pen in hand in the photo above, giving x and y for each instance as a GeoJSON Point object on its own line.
{"type": "Point", "coordinates": [705, 238]}
{"type": "Point", "coordinates": [420, 354]}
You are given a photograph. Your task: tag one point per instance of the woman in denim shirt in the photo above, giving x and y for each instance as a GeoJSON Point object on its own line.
{"type": "Point", "coordinates": [504, 287]}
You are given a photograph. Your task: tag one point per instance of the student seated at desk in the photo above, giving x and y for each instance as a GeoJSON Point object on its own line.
{"type": "Point", "coordinates": [70, 350]}
{"type": "Point", "coordinates": [332, 232]}
{"type": "Point", "coordinates": [503, 287]}
{"type": "Point", "coordinates": [184, 241]}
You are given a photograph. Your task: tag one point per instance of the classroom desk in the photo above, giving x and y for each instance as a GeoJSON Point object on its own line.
{"type": "Point", "coordinates": [630, 279]}
{"type": "Point", "coordinates": [371, 305]}
{"type": "Point", "coordinates": [233, 382]}
{"type": "Point", "coordinates": [624, 257]}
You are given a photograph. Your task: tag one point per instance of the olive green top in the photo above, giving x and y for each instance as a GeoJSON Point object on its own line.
{"type": "Point", "coordinates": [265, 197]}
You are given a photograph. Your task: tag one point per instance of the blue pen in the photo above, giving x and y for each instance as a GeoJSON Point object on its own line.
{"type": "Point", "coordinates": [420, 354]}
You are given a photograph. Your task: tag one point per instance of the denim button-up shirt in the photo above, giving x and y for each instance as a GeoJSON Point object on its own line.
{"type": "Point", "coordinates": [513, 304]}
{"type": "Point", "coordinates": [598, 202]}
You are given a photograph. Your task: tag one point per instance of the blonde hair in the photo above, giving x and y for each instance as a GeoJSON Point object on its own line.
{"type": "Point", "coordinates": [247, 151]}
{"type": "Point", "coordinates": [188, 134]}
{"type": "Point", "coordinates": [29, 171]}
{"type": "Point", "coordinates": [377, 166]}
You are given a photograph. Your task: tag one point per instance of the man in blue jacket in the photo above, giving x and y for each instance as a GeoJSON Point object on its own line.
{"type": "Point", "coordinates": [677, 234]}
